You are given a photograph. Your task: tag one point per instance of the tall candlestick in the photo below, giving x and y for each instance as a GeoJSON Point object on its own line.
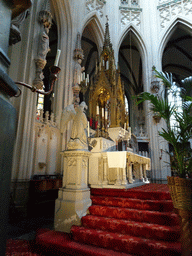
{"type": "Point", "coordinates": [57, 58]}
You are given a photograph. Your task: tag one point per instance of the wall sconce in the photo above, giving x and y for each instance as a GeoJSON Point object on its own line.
{"type": "Point", "coordinates": [53, 77]}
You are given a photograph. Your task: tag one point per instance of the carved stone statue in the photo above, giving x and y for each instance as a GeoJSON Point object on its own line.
{"type": "Point", "coordinates": [78, 57]}
{"type": "Point", "coordinates": [45, 19]}
{"type": "Point", "coordinates": [78, 139]}
{"type": "Point", "coordinates": [43, 44]}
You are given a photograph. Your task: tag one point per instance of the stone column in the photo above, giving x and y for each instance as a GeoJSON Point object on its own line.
{"type": "Point", "coordinates": [145, 179]}
{"type": "Point", "coordinates": [118, 181]}
{"type": "Point", "coordinates": [130, 174]}
{"type": "Point", "coordinates": [104, 170]}
{"type": "Point", "coordinates": [73, 199]}
{"type": "Point", "coordinates": [140, 172]}
{"type": "Point", "coordinates": [124, 178]}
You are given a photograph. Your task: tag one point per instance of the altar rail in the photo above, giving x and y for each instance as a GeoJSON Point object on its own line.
{"type": "Point", "coordinates": [119, 169]}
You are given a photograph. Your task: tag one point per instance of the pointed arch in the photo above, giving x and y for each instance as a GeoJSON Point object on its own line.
{"type": "Point", "coordinates": [133, 72]}
{"type": "Point", "coordinates": [98, 32]}
{"type": "Point", "coordinates": [138, 39]}
{"type": "Point", "coordinates": [176, 23]}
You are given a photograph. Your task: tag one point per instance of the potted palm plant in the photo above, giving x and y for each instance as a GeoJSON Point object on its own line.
{"type": "Point", "coordinates": [178, 137]}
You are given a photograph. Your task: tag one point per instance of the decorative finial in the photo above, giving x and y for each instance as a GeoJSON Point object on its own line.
{"type": "Point", "coordinates": [107, 41]}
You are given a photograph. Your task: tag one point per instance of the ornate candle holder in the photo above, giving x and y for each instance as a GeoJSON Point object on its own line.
{"type": "Point", "coordinates": [106, 128]}
{"type": "Point", "coordinates": [53, 77]}
{"type": "Point", "coordinates": [98, 126]}
{"type": "Point", "coordinates": [103, 127]}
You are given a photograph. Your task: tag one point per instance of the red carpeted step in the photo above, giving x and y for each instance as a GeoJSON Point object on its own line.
{"type": "Point", "coordinates": [161, 218]}
{"type": "Point", "coordinates": [19, 247]}
{"type": "Point", "coordinates": [131, 193]}
{"type": "Point", "coordinates": [132, 228]}
{"type": "Point", "coordinates": [51, 242]}
{"type": "Point", "coordinates": [125, 243]}
{"type": "Point", "coordinates": [153, 205]}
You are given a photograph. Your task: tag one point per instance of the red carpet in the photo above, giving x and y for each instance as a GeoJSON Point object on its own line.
{"type": "Point", "coordinates": [19, 248]}
{"type": "Point", "coordinates": [137, 221]}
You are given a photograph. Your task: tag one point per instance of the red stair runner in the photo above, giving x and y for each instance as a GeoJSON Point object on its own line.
{"type": "Point", "coordinates": [138, 221]}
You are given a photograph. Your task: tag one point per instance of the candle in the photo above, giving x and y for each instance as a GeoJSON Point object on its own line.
{"type": "Point", "coordinates": [88, 128]}
{"type": "Point", "coordinates": [87, 78]}
{"type": "Point", "coordinates": [99, 66]}
{"type": "Point", "coordinates": [97, 112]}
{"type": "Point", "coordinates": [106, 114]}
{"type": "Point", "coordinates": [107, 65]}
{"type": "Point", "coordinates": [57, 58]}
{"type": "Point", "coordinates": [124, 128]}
{"type": "Point", "coordinates": [86, 81]}
{"type": "Point", "coordinates": [83, 76]}
{"type": "Point", "coordinates": [102, 112]}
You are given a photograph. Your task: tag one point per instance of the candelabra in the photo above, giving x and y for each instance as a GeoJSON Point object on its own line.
{"type": "Point", "coordinates": [103, 127]}
{"type": "Point", "coordinates": [98, 125]}
{"type": "Point", "coordinates": [53, 77]}
{"type": "Point", "coordinates": [106, 128]}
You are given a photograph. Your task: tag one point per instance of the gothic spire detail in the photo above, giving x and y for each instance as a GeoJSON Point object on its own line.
{"type": "Point", "coordinates": [107, 40]}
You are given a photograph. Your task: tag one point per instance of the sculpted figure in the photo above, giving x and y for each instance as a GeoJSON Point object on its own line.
{"type": "Point", "coordinates": [78, 139]}
{"type": "Point", "coordinates": [43, 44]}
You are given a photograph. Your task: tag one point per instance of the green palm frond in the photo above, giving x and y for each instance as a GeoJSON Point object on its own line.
{"type": "Point", "coordinates": [158, 104]}
{"type": "Point", "coordinates": [178, 137]}
{"type": "Point", "coordinates": [165, 77]}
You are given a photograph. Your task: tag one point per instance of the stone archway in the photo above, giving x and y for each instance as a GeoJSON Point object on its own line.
{"type": "Point", "coordinates": [131, 68]}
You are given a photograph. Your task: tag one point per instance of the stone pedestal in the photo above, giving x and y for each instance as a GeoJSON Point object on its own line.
{"type": "Point", "coordinates": [74, 198]}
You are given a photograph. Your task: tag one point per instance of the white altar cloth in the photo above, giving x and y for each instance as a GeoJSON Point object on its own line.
{"type": "Point", "coordinates": [117, 159]}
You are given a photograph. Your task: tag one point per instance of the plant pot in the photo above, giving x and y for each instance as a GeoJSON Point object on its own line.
{"type": "Point", "coordinates": [181, 194]}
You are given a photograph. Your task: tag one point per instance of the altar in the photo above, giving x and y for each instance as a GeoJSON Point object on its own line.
{"type": "Point", "coordinates": [118, 169]}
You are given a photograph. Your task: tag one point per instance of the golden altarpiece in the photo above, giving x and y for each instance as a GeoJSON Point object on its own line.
{"type": "Point", "coordinates": [106, 93]}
